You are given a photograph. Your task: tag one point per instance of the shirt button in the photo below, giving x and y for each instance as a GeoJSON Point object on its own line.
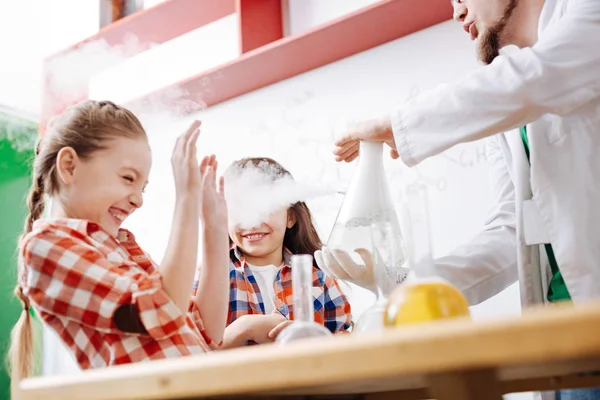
{"type": "Point", "coordinates": [134, 287]}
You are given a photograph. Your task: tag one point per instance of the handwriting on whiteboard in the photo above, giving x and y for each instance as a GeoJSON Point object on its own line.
{"type": "Point", "coordinates": [298, 131]}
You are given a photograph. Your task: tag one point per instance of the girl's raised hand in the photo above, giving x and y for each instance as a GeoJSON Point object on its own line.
{"type": "Point", "coordinates": [186, 172]}
{"type": "Point", "coordinates": [214, 207]}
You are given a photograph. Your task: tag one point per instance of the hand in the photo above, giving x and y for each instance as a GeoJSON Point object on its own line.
{"type": "Point", "coordinates": [184, 161]}
{"type": "Point", "coordinates": [375, 130]}
{"type": "Point", "coordinates": [212, 199]}
{"type": "Point", "coordinates": [277, 330]}
{"type": "Point", "coordinates": [264, 328]}
{"type": "Point", "coordinates": [339, 265]}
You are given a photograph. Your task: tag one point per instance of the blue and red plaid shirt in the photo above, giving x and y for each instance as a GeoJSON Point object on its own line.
{"type": "Point", "coordinates": [332, 309]}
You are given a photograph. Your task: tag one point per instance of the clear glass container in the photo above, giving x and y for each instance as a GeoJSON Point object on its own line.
{"type": "Point", "coordinates": [424, 296]}
{"type": "Point", "coordinates": [367, 220]}
{"type": "Point", "coordinates": [367, 201]}
{"type": "Point", "coordinates": [387, 275]}
{"type": "Point", "coordinates": [303, 325]}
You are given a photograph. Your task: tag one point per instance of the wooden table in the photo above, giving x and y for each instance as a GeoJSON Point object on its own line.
{"type": "Point", "coordinates": [542, 350]}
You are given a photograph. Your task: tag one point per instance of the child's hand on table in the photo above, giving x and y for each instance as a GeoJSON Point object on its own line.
{"type": "Point", "coordinates": [277, 330]}
{"type": "Point", "coordinates": [265, 328]}
{"type": "Point", "coordinates": [256, 327]}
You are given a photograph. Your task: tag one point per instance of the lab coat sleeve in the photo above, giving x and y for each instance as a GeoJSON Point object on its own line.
{"type": "Point", "coordinates": [488, 263]}
{"type": "Point", "coordinates": [559, 74]}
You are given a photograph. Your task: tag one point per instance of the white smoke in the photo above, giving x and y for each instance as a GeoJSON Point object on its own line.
{"type": "Point", "coordinates": [68, 74]}
{"type": "Point", "coordinates": [253, 192]}
{"type": "Point", "coordinates": [68, 78]}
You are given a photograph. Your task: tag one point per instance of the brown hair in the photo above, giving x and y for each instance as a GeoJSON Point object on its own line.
{"type": "Point", "coordinates": [302, 238]}
{"type": "Point", "coordinates": [85, 128]}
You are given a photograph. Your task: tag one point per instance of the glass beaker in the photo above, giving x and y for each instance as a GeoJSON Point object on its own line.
{"type": "Point", "coordinates": [367, 201]}
{"type": "Point", "coordinates": [424, 296]}
{"type": "Point", "coordinates": [303, 325]}
{"type": "Point", "coordinates": [388, 273]}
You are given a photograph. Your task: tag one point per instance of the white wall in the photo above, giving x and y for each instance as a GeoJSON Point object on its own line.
{"type": "Point", "coordinates": [66, 22]}
{"type": "Point", "coordinates": [151, 3]}
{"type": "Point", "coordinates": [306, 14]}
{"type": "Point", "coordinates": [30, 30]}
{"type": "Point", "coordinates": [199, 50]}
{"type": "Point", "coordinates": [20, 72]}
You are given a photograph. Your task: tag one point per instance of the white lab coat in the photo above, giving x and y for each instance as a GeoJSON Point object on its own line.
{"type": "Point", "coordinates": [554, 88]}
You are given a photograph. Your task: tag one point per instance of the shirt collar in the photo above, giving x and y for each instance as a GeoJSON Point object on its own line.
{"type": "Point", "coordinates": [82, 226]}
{"type": "Point", "coordinates": [237, 255]}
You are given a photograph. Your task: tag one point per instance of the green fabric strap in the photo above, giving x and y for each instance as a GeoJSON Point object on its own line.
{"type": "Point", "coordinates": [557, 290]}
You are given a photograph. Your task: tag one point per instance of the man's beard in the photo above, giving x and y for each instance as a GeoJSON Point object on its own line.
{"type": "Point", "coordinates": [489, 43]}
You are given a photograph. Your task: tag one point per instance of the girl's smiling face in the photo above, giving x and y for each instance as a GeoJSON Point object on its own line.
{"type": "Point", "coordinates": [263, 245]}
{"type": "Point", "coordinates": [107, 186]}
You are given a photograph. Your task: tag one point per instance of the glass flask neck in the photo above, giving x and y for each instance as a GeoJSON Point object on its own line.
{"type": "Point", "coordinates": [371, 155]}
{"type": "Point", "coordinates": [368, 195]}
{"type": "Point", "coordinates": [302, 269]}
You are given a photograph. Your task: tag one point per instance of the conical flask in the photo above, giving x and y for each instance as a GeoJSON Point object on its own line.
{"type": "Point", "coordinates": [424, 296]}
{"type": "Point", "coordinates": [303, 325]}
{"type": "Point", "coordinates": [367, 201]}
{"type": "Point", "coordinates": [368, 220]}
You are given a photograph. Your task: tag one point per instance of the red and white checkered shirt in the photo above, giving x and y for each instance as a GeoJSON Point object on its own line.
{"type": "Point", "coordinates": [78, 277]}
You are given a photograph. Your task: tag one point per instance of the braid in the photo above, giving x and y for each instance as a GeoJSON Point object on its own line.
{"type": "Point", "coordinates": [21, 353]}
{"type": "Point", "coordinates": [35, 203]}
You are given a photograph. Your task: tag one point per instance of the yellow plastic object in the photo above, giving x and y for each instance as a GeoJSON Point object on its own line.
{"type": "Point", "coordinates": [423, 301]}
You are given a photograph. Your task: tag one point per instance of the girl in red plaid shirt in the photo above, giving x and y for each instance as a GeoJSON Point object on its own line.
{"type": "Point", "coordinates": [260, 295]}
{"type": "Point", "coordinates": [87, 278]}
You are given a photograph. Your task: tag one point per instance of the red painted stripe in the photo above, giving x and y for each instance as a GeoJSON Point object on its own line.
{"type": "Point", "coordinates": [260, 23]}
{"type": "Point", "coordinates": [291, 56]}
{"type": "Point", "coordinates": [281, 59]}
